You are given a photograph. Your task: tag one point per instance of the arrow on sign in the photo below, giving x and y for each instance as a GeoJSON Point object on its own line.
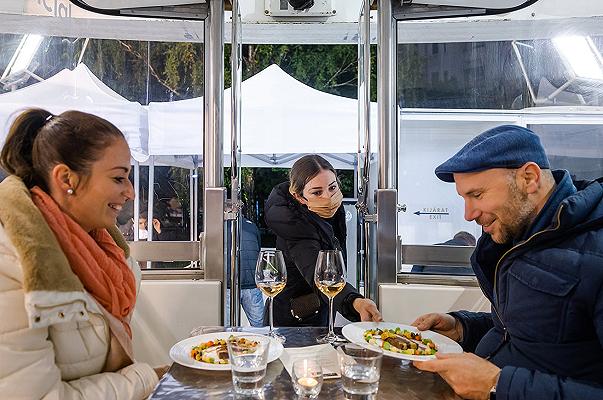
{"type": "Point", "coordinates": [430, 213]}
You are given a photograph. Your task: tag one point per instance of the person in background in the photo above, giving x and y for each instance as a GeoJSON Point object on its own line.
{"type": "Point", "coordinates": [461, 238]}
{"type": "Point", "coordinates": [125, 221]}
{"type": "Point", "coordinates": [540, 263]}
{"type": "Point", "coordinates": [251, 297]}
{"type": "Point", "coordinates": [67, 284]}
{"type": "Point", "coordinates": [307, 215]}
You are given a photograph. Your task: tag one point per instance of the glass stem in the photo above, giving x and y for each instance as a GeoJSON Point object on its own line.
{"type": "Point", "coordinates": [271, 323]}
{"type": "Point", "coordinates": [331, 316]}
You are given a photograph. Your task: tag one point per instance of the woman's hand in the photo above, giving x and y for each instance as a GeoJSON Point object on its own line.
{"type": "Point", "coordinates": [160, 371]}
{"type": "Point", "coordinates": [367, 309]}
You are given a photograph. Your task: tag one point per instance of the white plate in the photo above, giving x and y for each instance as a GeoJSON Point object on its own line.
{"type": "Point", "coordinates": [181, 351]}
{"type": "Point", "coordinates": [355, 334]}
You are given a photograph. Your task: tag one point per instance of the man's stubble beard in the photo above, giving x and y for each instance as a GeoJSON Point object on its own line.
{"type": "Point", "coordinates": [518, 215]}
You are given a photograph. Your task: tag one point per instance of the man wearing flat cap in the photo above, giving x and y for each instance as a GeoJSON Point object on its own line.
{"type": "Point", "coordinates": [540, 264]}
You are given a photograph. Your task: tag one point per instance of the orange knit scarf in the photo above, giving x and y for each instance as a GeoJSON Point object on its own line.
{"type": "Point", "coordinates": [95, 258]}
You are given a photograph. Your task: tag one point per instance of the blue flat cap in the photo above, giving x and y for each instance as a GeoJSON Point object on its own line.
{"type": "Point", "coordinates": [506, 146]}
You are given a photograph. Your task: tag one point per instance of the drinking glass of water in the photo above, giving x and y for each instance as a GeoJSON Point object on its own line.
{"type": "Point", "coordinates": [360, 370]}
{"type": "Point", "coordinates": [248, 356]}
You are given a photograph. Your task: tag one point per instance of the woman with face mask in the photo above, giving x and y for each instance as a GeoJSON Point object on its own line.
{"type": "Point", "coordinates": [307, 215]}
{"type": "Point", "coordinates": [67, 284]}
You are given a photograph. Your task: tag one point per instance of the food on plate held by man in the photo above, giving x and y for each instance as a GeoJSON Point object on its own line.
{"type": "Point", "coordinates": [401, 341]}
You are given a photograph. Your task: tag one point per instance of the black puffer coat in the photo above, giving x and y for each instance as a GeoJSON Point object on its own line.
{"type": "Point", "coordinates": [300, 235]}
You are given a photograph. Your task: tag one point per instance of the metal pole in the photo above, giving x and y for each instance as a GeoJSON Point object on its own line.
{"type": "Point", "coordinates": [235, 165]}
{"type": "Point", "coordinates": [195, 206]}
{"type": "Point", "coordinates": [191, 202]}
{"type": "Point", "coordinates": [365, 204]}
{"type": "Point", "coordinates": [384, 239]}
{"type": "Point", "coordinates": [214, 96]}
{"type": "Point", "coordinates": [213, 221]}
{"type": "Point", "coordinates": [150, 199]}
{"type": "Point", "coordinates": [386, 96]}
{"type": "Point", "coordinates": [136, 215]}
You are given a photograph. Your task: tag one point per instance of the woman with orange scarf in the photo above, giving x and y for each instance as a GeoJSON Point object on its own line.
{"type": "Point", "coordinates": [67, 288]}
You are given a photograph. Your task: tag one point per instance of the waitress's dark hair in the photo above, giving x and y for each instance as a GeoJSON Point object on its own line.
{"type": "Point", "coordinates": [305, 169]}
{"type": "Point", "coordinates": [37, 141]}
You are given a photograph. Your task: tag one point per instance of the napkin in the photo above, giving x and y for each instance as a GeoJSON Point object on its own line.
{"type": "Point", "coordinates": [325, 353]}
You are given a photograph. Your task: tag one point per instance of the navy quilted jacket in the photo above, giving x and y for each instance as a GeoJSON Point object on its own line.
{"type": "Point", "coordinates": [546, 326]}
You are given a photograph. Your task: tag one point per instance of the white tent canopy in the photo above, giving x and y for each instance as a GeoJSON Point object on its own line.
{"type": "Point", "coordinates": [79, 89]}
{"type": "Point", "coordinates": [281, 118]}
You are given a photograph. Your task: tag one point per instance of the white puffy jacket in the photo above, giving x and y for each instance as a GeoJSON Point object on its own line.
{"type": "Point", "coordinates": [63, 361]}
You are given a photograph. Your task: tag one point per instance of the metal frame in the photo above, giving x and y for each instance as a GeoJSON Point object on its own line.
{"type": "Point", "coordinates": [177, 274]}
{"type": "Point", "coordinates": [389, 12]}
{"type": "Point", "coordinates": [213, 257]}
{"type": "Point", "coordinates": [235, 166]}
{"type": "Point", "coordinates": [364, 204]}
{"type": "Point", "coordinates": [385, 267]}
{"type": "Point", "coordinates": [446, 280]}
{"type": "Point", "coordinates": [406, 10]}
{"type": "Point", "coordinates": [436, 255]}
{"type": "Point", "coordinates": [197, 11]}
{"type": "Point", "coordinates": [165, 251]}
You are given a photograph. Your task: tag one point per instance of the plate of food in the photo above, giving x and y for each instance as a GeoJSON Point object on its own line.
{"type": "Point", "coordinates": [209, 351]}
{"type": "Point", "coordinates": [400, 341]}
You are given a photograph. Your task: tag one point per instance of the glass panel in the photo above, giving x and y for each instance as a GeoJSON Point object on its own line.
{"type": "Point", "coordinates": [123, 75]}
{"type": "Point", "coordinates": [434, 212]}
{"type": "Point", "coordinates": [450, 92]}
{"type": "Point", "coordinates": [577, 148]}
{"type": "Point", "coordinates": [453, 75]}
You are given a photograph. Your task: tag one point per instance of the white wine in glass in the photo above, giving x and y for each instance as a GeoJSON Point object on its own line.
{"type": "Point", "coordinates": [271, 279]}
{"type": "Point", "coordinates": [329, 278]}
{"type": "Point", "coordinates": [271, 289]}
{"type": "Point", "coordinates": [330, 289]}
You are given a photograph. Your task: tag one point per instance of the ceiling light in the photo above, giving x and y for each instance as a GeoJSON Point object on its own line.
{"type": "Point", "coordinates": [580, 55]}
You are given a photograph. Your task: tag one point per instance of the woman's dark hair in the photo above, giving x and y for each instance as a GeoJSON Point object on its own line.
{"type": "Point", "coordinates": [305, 169]}
{"type": "Point", "coordinates": [37, 141]}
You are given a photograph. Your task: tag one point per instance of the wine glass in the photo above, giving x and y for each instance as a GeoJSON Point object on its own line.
{"type": "Point", "coordinates": [271, 278]}
{"type": "Point", "coordinates": [329, 277]}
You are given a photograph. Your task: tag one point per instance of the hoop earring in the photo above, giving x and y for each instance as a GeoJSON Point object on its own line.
{"type": "Point", "coordinates": [70, 191]}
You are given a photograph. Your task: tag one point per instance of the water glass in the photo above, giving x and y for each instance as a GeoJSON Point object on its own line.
{"type": "Point", "coordinates": [248, 364]}
{"type": "Point", "coordinates": [360, 370]}
{"type": "Point", "coordinates": [307, 378]}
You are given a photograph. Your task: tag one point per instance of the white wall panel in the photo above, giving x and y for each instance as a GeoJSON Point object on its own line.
{"type": "Point", "coordinates": [166, 312]}
{"type": "Point", "coordinates": [403, 303]}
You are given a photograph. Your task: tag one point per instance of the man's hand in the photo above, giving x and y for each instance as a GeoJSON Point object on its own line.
{"type": "Point", "coordinates": [444, 324]}
{"type": "Point", "coordinates": [367, 309]}
{"type": "Point", "coordinates": [470, 376]}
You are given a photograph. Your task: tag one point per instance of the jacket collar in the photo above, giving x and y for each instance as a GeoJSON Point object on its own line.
{"type": "Point", "coordinates": [579, 206]}
{"type": "Point", "coordinates": [53, 293]}
{"type": "Point", "coordinates": [564, 189]}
